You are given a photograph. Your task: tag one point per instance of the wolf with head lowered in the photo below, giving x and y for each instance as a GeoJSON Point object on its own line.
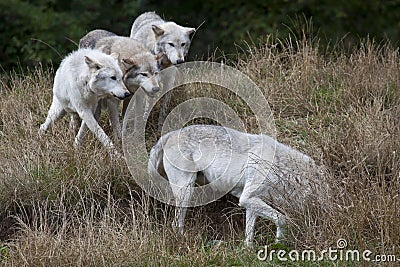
{"type": "Point", "coordinates": [139, 65]}
{"type": "Point", "coordinates": [84, 78]}
{"type": "Point", "coordinates": [264, 174]}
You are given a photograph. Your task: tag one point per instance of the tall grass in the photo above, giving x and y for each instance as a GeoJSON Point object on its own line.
{"type": "Point", "coordinates": [63, 206]}
{"type": "Point", "coordinates": [343, 109]}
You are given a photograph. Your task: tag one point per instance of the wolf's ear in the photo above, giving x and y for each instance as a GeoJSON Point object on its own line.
{"type": "Point", "coordinates": [128, 63]}
{"type": "Point", "coordinates": [92, 64]}
{"type": "Point", "coordinates": [158, 31]}
{"type": "Point", "coordinates": [189, 31]}
{"type": "Point", "coordinates": [115, 55]}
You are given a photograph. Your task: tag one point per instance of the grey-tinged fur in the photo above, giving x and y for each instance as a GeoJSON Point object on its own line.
{"type": "Point", "coordinates": [138, 63]}
{"type": "Point", "coordinates": [91, 38]}
{"type": "Point", "coordinates": [262, 172]}
{"type": "Point", "coordinates": [84, 78]}
{"type": "Point", "coordinates": [166, 38]}
{"type": "Point", "coordinates": [140, 68]}
{"type": "Point", "coordinates": [161, 36]}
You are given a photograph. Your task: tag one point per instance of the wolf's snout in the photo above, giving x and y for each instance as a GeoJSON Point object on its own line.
{"type": "Point", "coordinates": [179, 61]}
{"type": "Point", "coordinates": [122, 96]}
{"type": "Point", "coordinates": [155, 89]}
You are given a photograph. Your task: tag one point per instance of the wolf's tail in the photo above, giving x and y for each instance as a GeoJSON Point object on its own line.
{"type": "Point", "coordinates": [155, 164]}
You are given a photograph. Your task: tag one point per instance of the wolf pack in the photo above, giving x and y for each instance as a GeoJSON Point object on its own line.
{"type": "Point", "coordinates": [107, 69]}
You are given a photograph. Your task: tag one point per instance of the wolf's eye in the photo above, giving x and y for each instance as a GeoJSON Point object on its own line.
{"type": "Point", "coordinates": [113, 78]}
{"type": "Point", "coordinates": [144, 74]}
{"type": "Point", "coordinates": [171, 44]}
{"type": "Point", "coordinates": [183, 44]}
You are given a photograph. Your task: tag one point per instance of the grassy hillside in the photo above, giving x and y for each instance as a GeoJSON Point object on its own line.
{"type": "Point", "coordinates": [63, 206]}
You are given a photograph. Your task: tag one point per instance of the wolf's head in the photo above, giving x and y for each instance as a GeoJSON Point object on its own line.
{"type": "Point", "coordinates": [142, 70]}
{"type": "Point", "coordinates": [106, 76]}
{"type": "Point", "coordinates": [173, 41]}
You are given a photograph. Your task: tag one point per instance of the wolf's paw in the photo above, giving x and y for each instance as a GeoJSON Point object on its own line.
{"type": "Point", "coordinates": [41, 132]}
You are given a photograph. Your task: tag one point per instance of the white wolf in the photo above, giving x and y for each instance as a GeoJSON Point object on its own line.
{"type": "Point", "coordinates": [83, 78]}
{"type": "Point", "coordinates": [224, 156]}
{"type": "Point", "coordinates": [163, 37]}
{"type": "Point", "coordinates": [139, 65]}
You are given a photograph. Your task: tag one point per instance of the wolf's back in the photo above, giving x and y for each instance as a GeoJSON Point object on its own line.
{"type": "Point", "coordinates": [91, 38]}
{"type": "Point", "coordinates": [125, 46]}
{"type": "Point", "coordinates": [145, 20]}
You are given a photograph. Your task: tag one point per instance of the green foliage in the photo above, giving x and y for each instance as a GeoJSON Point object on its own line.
{"type": "Point", "coordinates": [46, 30]}
{"type": "Point", "coordinates": [4, 252]}
{"type": "Point", "coordinates": [228, 23]}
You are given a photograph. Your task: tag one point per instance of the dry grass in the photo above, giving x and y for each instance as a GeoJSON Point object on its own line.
{"type": "Point", "coordinates": [60, 206]}
{"type": "Point", "coordinates": [342, 109]}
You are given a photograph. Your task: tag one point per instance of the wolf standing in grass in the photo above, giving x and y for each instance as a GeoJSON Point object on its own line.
{"type": "Point", "coordinates": [263, 173]}
{"type": "Point", "coordinates": [166, 38]}
{"type": "Point", "coordinates": [83, 78]}
{"type": "Point", "coordinates": [139, 66]}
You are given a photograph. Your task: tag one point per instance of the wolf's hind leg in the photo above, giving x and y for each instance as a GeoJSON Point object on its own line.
{"type": "Point", "coordinates": [56, 112]}
{"type": "Point", "coordinates": [182, 185]}
{"type": "Point", "coordinates": [74, 123]}
{"type": "Point", "coordinates": [257, 206]}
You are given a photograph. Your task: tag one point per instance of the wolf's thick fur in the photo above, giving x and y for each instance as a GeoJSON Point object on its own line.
{"type": "Point", "coordinates": [83, 78]}
{"type": "Point", "coordinates": [139, 65]}
{"type": "Point", "coordinates": [257, 169]}
{"type": "Point", "coordinates": [163, 37]}
{"type": "Point", "coordinates": [91, 38]}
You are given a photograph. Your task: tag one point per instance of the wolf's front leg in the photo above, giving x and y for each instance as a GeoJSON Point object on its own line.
{"type": "Point", "coordinates": [114, 118]}
{"type": "Point", "coordinates": [80, 137]}
{"type": "Point", "coordinates": [250, 223]}
{"type": "Point", "coordinates": [88, 118]}
{"type": "Point", "coordinates": [257, 206]}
